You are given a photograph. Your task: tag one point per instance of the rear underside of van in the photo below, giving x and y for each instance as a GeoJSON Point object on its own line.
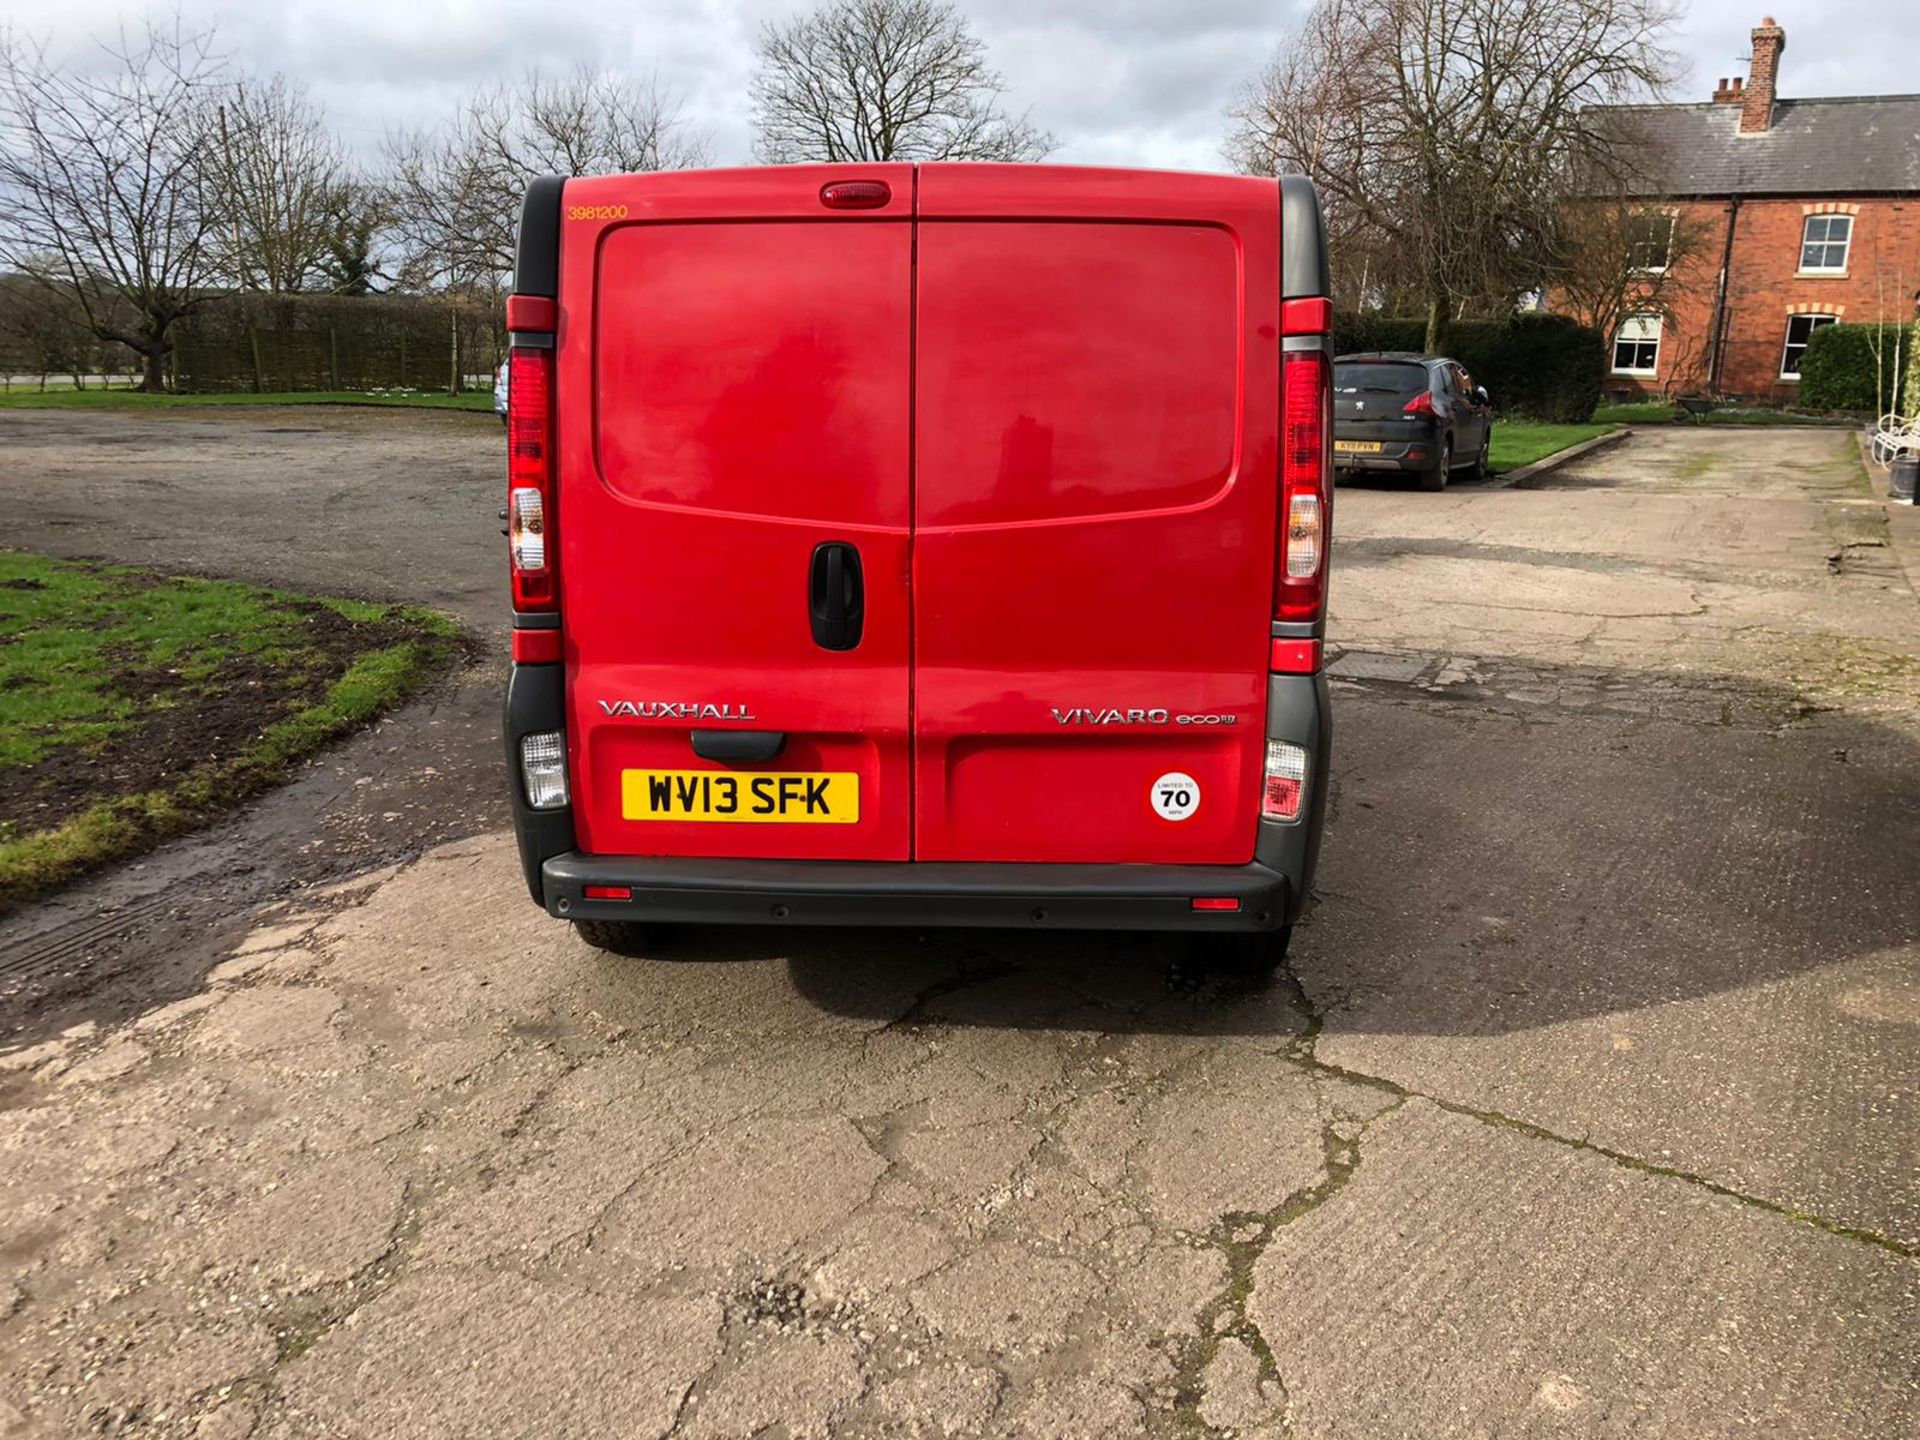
{"type": "Point", "coordinates": [939, 544]}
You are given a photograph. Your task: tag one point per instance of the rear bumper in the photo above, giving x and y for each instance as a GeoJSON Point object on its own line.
{"type": "Point", "coordinates": [1272, 890]}
{"type": "Point", "coordinates": [1423, 461]}
{"type": "Point", "coordinates": [1412, 447]}
{"type": "Point", "coordinates": [825, 892]}
{"type": "Point", "coordinates": [1417, 456]}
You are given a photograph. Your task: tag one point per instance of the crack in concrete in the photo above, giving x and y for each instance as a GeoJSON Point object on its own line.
{"type": "Point", "coordinates": [1243, 1237]}
{"type": "Point", "coordinates": [1301, 1052]}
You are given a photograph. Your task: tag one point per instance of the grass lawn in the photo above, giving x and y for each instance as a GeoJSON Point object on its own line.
{"type": "Point", "coordinates": [134, 400]}
{"type": "Point", "coordinates": [135, 704]}
{"type": "Point", "coordinates": [1521, 442]}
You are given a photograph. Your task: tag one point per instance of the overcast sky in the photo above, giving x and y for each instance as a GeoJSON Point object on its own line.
{"type": "Point", "coordinates": [1119, 82]}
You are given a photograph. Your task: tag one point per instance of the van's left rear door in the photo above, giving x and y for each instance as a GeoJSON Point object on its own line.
{"type": "Point", "coordinates": [740, 400]}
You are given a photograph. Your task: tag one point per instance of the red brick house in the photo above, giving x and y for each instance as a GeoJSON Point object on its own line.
{"type": "Point", "coordinates": [1798, 213]}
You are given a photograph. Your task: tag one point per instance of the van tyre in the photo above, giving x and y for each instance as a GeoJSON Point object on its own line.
{"type": "Point", "coordinates": [1435, 480]}
{"type": "Point", "coordinates": [618, 937]}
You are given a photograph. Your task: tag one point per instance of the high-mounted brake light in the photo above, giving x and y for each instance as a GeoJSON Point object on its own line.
{"type": "Point", "coordinates": [530, 478]}
{"type": "Point", "coordinates": [1306, 484]}
{"type": "Point", "coordinates": [855, 194]}
{"type": "Point", "coordinates": [1421, 404]}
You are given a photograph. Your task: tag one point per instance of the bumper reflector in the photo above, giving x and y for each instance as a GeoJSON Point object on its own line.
{"type": "Point", "coordinates": [609, 892]}
{"type": "Point", "coordinates": [1295, 657]}
{"type": "Point", "coordinates": [1286, 783]}
{"type": "Point", "coordinates": [543, 768]}
{"type": "Point", "coordinates": [536, 647]}
{"type": "Point", "coordinates": [1216, 902]}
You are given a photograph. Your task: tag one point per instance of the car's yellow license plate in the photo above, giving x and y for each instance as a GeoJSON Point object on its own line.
{"type": "Point", "coordinates": [811, 797]}
{"type": "Point", "coordinates": [1358, 447]}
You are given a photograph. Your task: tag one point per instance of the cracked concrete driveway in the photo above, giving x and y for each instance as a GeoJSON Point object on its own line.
{"type": "Point", "coordinates": [1583, 1106]}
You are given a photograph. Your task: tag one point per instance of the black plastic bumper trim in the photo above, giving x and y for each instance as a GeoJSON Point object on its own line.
{"type": "Point", "coordinates": [834, 892]}
{"type": "Point", "coordinates": [535, 701]}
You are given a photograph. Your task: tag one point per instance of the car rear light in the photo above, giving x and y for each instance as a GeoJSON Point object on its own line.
{"type": "Point", "coordinates": [1286, 781]}
{"type": "Point", "coordinates": [1306, 484]}
{"type": "Point", "coordinates": [543, 769]}
{"type": "Point", "coordinates": [1420, 405]}
{"type": "Point", "coordinates": [530, 478]}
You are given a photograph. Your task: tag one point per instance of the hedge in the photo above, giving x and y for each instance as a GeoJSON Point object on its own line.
{"type": "Point", "coordinates": [1545, 366]}
{"type": "Point", "coordinates": [333, 342]}
{"type": "Point", "coordinates": [1839, 369]}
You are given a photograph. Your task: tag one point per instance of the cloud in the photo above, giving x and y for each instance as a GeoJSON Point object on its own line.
{"type": "Point", "coordinates": [1121, 82]}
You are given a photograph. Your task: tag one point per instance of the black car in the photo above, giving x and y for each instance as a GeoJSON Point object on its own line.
{"type": "Point", "coordinates": [1417, 413]}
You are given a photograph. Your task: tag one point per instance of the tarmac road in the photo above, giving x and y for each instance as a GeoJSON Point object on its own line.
{"type": "Point", "coordinates": [1583, 1107]}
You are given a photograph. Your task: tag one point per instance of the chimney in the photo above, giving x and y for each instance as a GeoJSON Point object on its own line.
{"type": "Point", "coordinates": [1729, 92]}
{"type": "Point", "coordinates": [1756, 110]}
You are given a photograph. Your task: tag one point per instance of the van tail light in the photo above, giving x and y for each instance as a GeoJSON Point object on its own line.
{"type": "Point", "coordinates": [1306, 484]}
{"type": "Point", "coordinates": [1420, 405]}
{"type": "Point", "coordinates": [530, 497]}
{"type": "Point", "coordinates": [1286, 781]}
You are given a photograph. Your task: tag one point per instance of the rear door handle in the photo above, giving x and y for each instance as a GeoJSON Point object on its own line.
{"type": "Point", "coordinates": [738, 744]}
{"type": "Point", "coordinates": [836, 596]}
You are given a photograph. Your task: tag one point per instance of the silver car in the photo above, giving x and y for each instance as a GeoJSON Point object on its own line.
{"type": "Point", "coordinates": [500, 392]}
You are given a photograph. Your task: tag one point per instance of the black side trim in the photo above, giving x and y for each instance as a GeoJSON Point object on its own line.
{"type": "Point", "coordinates": [1299, 710]}
{"type": "Point", "coordinates": [1299, 629]}
{"type": "Point", "coordinates": [1304, 272]}
{"type": "Point", "coordinates": [830, 892]}
{"type": "Point", "coordinates": [738, 744]}
{"type": "Point", "coordinates": [536, 258]}
{"type": "Point", "coordinates": [537, 620]}
{"type": "Point", "coordinates": [536, 701]}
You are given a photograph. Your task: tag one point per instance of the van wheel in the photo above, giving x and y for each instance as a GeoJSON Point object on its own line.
{"type": "Point", "coordinates": [618, 937]}
{"type": "Point", "coordinates": [1252, 956]}
{"type": "Point", "coordinates": [1481, 469]}
{"type": "Point", "coordinates": [1435, 480]}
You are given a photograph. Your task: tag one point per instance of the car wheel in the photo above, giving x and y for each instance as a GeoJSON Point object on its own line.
{"type": "Point", "coordinates": [1435, 480]}
{"type": "Point", "coordinates": [618, 937]}
{"type": "Point", "coordinates": [1481, 470]}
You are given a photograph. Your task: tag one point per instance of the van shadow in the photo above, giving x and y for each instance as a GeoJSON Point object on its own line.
{"type": "Point", "coordinates": [1490, 866]}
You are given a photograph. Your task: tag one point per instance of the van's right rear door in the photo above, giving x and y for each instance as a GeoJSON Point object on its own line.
{"type": "Point", "coordinates": [1096, 444]}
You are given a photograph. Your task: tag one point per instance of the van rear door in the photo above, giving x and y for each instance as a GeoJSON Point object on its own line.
{"type": "Point", "coordinates": [734, 509]}
{"type": "Point", "coordinates": [1096, 410]}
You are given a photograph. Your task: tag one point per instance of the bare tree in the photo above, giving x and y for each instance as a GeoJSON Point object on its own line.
{"type": "Point", "coordinates": [104, 181]}
{"type": "Point", "coordinates": [1454, 131]}
{"type": "Point", "coordinates": [883, 80]}
{"type": "Point", "coordinates": [1620, 257]}
{"type": "Point", "coordinates": [43, 332]}
{"type": "Point", "coordinates": [283, 182]}
{"type": "Point", "coordinates": [456, 192]}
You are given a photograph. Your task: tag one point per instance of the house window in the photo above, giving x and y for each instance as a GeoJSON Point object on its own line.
{"type": "Point", "coordinates": [1649, 243]}
{"type": "Point", "coordinates": [1823, 244]}
{"type": "Point", "coordinates": [1800, 329]}
{"type": "Point", "coordinates": [1636, 349]}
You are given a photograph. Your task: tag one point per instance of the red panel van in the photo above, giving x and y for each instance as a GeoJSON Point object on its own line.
{"type": "Point", "coordinates": [919, 544]}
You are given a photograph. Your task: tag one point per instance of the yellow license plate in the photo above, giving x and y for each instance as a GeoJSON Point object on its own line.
{"type": "Point", "coordinates": [1358, 447]}
{"type": "Point", "coordinates": [809, 797]}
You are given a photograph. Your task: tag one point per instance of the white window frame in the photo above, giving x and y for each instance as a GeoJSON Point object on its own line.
{"type": "Point", "coordinates": [1787, 344]}
{"type": "Point", "coordinates": [1653, 217]}
{"type": "Point", "coordinates": [1846, 245]}
{"type": "Point", "coordinates": [1646, 323]}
